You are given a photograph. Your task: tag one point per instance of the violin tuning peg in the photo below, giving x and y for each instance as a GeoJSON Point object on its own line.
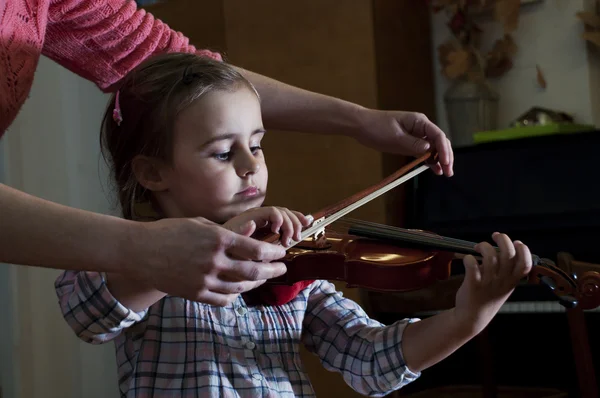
{"type": "Point", "coordinates": [568, 301]}
{"type": "Point", "coordinates": [549, 282]}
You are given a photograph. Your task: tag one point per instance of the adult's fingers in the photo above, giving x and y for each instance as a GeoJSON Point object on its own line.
{"type": "Point", "coordinates": [241, 270]}
{"type": "Point", "coordinates": [439, 141]}
{"type": "Point", "coordinates": [222, 285]}
{"type": "Point", "coordinates": [243, 247]}
{"type": "Point", "coordinates": [214, 298]}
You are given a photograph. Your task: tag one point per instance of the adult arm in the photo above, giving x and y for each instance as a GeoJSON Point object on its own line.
{"type": "Point", "coordinates": [103, 41]}
{"type": "Point", "coordinates": [118, 36]}
{"type": "Point", "coordinates": [191, 258]}
{"type": "Point", "coordinates": [407, 133]}
{"type": "Point", "coordinates": [38, 232]}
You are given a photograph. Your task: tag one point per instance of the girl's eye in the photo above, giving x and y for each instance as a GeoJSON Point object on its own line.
{"type": "Point", "coordinates": [224, 156]}
{"type": "Point", "coordinates": [255, 149]}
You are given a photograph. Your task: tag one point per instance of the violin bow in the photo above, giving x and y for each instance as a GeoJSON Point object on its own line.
{"type": "Point", "coordinates": [333, 213]}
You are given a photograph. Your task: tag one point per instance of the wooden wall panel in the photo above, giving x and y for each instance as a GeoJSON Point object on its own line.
{"type": "Point", "coordinates": [404, 75]}
{"type": "Point", "coordinates": [201, 21]}
{"type": "Point", "coordinates": [324, 46]}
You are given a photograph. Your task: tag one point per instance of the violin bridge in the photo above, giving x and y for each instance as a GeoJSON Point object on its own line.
{"type": "Point", "coordinates": [319, 232]}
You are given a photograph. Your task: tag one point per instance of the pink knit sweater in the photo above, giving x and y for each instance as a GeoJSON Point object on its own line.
{"type": "Point", "coordinates": [100, 40]}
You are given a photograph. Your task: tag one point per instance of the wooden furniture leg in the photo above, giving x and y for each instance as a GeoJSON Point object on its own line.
{"type": "Point", "coordinates": [588, 387]}
{"type": "Point", "coordinates": [488, 382]}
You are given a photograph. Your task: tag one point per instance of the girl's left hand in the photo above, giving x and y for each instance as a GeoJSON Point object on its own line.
{"type": "Point", "coordinates": [488, 285]}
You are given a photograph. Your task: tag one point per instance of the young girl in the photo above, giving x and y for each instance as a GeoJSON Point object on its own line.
{"type": "Point", "coordinates": [184, 140]}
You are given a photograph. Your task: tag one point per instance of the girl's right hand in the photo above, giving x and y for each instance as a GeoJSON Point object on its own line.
{"type": "Point", "coordinates": [287, 223]}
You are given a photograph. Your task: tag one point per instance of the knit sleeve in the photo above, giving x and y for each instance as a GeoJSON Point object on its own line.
{"type": "Point", "coordinates": [102, 40]}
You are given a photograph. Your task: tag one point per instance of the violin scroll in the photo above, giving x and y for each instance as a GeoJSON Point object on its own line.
{"type": "Point", "coordinates": [546, 273]}
{"type": "Point", "coordinates": [589, 290]}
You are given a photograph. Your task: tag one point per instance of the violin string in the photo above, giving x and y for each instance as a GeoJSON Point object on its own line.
{"type": "Point", "coordinates": [414, 236]}
{"type": "Point", "coordinates": [411, 232]}
{"type": "Point", "coordinates": [420, 234]}
{"type": "Point", "coordinates": [435, 240]}
{"type": "Point", "coordinates": [433, 243]}
{"type": "Point", "coordinates": [387, 232]}
{"type": "Point", "coordinates": [384, 231]}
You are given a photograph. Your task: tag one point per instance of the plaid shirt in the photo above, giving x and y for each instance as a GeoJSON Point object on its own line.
{"type": "Point", "coordinates": [181, 348]}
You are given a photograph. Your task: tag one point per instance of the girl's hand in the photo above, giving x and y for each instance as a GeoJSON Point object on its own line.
{"type": "Point", "coordinates": [488, 285]}
{"type": "Point", "coordinates": [287, 223]}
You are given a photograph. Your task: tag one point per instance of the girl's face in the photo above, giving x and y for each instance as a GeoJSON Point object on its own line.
{"type": "Point", "coordinates": [218, 169]}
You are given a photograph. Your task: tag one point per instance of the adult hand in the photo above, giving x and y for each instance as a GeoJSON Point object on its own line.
{"type": "Point", "coordinates": [199, 260]}
{"type": "Point", "coordinates": [405, 133]}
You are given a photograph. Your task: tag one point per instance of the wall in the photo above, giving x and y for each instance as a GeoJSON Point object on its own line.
{"type": "Point", "coordinates": [549, 35]}
{"type": "Point", "coordinates": [8, 375]}
{"type": "Point", "coordinates": [54, 154]}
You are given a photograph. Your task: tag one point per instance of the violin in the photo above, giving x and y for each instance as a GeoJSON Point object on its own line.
{"type": "Point", "coordinates": [391, 259]}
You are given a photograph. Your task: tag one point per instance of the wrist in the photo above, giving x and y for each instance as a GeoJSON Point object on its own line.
{"type": "Point", "coordinates": [352, 119]}
{"type": "Point", "coordinates": [129, 249]}
{"type": "Point", "coordinates": [465, 323]}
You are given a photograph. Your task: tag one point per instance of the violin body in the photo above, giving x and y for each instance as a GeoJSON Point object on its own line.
{"type": "Point", "coordinates": [386, 258]}
{"type": "Point", "coordinates": [364, 263]}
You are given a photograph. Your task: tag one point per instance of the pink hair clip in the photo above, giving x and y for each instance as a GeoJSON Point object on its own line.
{"type": "Point", "coordinates": [117, 116]}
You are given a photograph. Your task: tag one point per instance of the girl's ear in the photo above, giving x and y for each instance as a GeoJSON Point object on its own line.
{"type": "Point", "coordinates": [149, 173]}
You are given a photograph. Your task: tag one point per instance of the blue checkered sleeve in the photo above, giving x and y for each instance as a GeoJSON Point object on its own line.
{"type": "Point", "coordinates": [90, 309]}
{"type": "Point", "coordinates": [367, 353]}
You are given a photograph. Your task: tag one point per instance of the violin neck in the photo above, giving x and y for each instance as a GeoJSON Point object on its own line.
{"type": "Point", "coordinates": [417, 239]}
{"type": "Point", "coordinates": [413, 239]}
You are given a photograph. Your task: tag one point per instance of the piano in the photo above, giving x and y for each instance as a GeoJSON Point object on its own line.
{"type": "Point", "coordinates": [543, 191]}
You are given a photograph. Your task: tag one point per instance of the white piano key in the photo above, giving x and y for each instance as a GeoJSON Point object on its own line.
{"type": "Point", "coordinates": [525, 307]}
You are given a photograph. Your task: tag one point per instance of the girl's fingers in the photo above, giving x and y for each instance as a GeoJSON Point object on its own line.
{"type": "Point", "coordinates": [296, 218]}
{"type": "Point", "coordinates": [472, 270]}
{"type": "Point", "coordinates": [490, 262]}
{"type": "Point", "coordinates": [275, 218]}
{"type": "Point", "coordinates": [506, 256]}
{"type": "Point", "coordinates": [524, 261]}
{"type": "Point", "coordinates": [287, 228]}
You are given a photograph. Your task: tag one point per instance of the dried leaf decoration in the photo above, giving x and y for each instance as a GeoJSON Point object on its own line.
{"type": "Point", "coordinates": [444, 50]}
{"type": "Point", "coordinates": [462, 57]}
{"type": "Point", "coordinates": [507, 13]}
{"type": "Point", "coordinates": [592, 37]}
{"type": "Point", "coordinates": [459, 63]}
{"type": "Point", "coordinates": [499, 59]}
{"type": "Point", "coordinates": [591, 23]}
{"type": "Point", "coordinates": [540, 77]}
{"type": "Point", "coordinates": [589, 19]}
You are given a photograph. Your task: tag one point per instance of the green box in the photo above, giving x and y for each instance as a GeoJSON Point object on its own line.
{"type": "Point", "coordinates": [515, 133]}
